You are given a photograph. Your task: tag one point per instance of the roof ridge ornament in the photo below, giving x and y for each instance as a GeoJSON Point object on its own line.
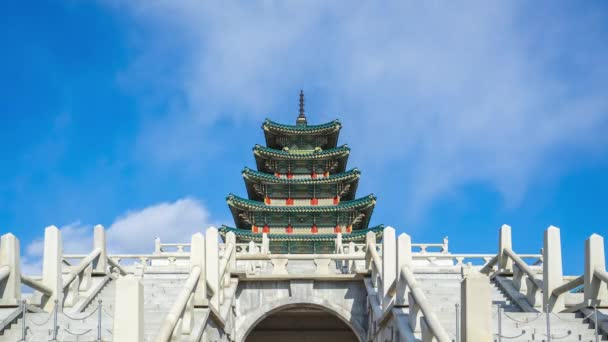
{"type": "Point", "coordinates": [301, 121]}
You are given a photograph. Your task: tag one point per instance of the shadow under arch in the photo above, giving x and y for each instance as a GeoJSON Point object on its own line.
{"type": "Point", "coordinates": [268, 309]}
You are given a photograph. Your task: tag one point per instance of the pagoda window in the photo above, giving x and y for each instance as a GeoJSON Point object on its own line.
{"type": "Point", "coordinates": [289, 200]}
{"type": "Point", "coordinates": [289, 174]}
{"type": "Point", "coordinates": [289, 228]}
{"type": "Point", "coordinates": [314, 200]}
{"type": "Point", "coordinates": [337, 197]}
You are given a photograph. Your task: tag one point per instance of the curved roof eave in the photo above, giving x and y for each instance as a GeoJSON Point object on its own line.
{"type": "Point", "coordinates": [262, 151]}
{"type": "Point", "coordinates": [253, 175]}
{"type": "Point", "coordinates": [326, 128]}
{"type": "Point", "coordinates": [362, 203]}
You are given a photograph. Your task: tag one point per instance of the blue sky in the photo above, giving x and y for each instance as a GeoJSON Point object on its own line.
{"type": "Point", "coordinates": [140, 115]}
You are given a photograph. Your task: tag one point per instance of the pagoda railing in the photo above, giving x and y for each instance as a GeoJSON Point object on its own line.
{"type": "Point", "coordinates": [206, 287]}
{"type": "Point", "coordinates": [62, 284]}
{"type": "Point", "coordinates": [181, 250]}
{"type": "Point", "coordinates": [392, 280]}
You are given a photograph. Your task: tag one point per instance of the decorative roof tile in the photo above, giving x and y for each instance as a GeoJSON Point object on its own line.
{"type": "Point", "coordinates": [325, 128]}
{"type": "Point", "coordinates": [246, 204]}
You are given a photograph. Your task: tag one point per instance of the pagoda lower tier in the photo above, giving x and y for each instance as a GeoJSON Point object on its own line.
{"type": "Point", "coordinates": [301, 189]}
{"type": "Point", "coordinates": [344, 217]}
{"type": "Point", "coordinates": [296, 244]}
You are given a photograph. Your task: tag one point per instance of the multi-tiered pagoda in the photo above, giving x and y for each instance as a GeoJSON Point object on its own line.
{"type": "Point", "coordinates": [301, 194]}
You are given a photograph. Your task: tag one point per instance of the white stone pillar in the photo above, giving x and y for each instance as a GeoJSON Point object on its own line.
{"type": "Point", "coordinates": [212, 268]}
{"type": "Point", "coordinates": [51, 267]}
{"type": "Point", "coordinates": [552, 269]}
{"type": "Point", "coordinates": [595, 289]}
{"type": "Point", "coordinates": [339, 243]}
{"type": "Point", "coordinates": [389, 267]}
{"type": "Point", "coordinates": [370, 239]}
{"type": "Point", "coordinates": [157, 248]}
{"type": "Point", "coordinates": [404, 259]}
{"type": "Point", "coordinates": [100, 265]}
{"type": "Point", "coordinates": [265, 244]}
{"type": "Point", "coordinates": [10, 287]}
{"type": "Point", "coordinates": [231, 239]}
{"type": "Point", "coordinates": [505, 263]}
{"type": "Point", "coordinates": [128, 310]}
{"type": "Point", "coordinates": [476, 308]}
{"type": "Point", "coordinates": [197, 259]}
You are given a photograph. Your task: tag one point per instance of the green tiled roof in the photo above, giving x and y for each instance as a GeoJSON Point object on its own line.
{"type": "Point", "coordinates": [329, 127]}
{"type": "Point", "coordinates": [355, 236]}
{"type": "Point", "coordinates": [269, 178]}
{"type": "Point", "coordinates": [245, 204]}
{"type": "Point", "coordinates": [323, 154]}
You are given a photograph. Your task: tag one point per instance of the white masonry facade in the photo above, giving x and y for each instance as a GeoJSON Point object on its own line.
{"type": "Point", "coordinates": [214, 290]}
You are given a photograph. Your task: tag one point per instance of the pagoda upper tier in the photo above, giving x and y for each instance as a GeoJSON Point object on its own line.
{"type": "Point", "coordinates": [302, 136]}
{"type": "Point", "coordinates": [316, 189]}
{"type": "Point", "coordinates": [288, 162]}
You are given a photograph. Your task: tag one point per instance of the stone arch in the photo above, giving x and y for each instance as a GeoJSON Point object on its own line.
{"type": "Point", "coordinates": [251, 320]}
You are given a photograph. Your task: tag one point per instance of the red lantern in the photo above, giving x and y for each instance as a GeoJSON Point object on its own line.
{"type": "Point", "coordinates": [314, 229]}
{"type": "Point", "coordinates": [289, 229]}
{"type": "Point", "coordinates": [338, 229]}
{"type": "Point", "coordinates": [254, 228]}
{"type": "Point", "coordinates": [313, 175]}
{"type": "Point", "coordinates": [267, 200]}
{"type": "Point", "coordinates": [289, 201]}
{"type": "Point", "coordinates": [266, 229]}
{"type": "Point", "coordinates": [336, 200]}
{"type": "Point", "coordinates": [326, 174]}
{"type": "Point", "coordinates": [289, 175]}
{"type": "Point", "coordinates": [349, 228]}
{"type": "Point", "coordinates": [278, 175]}
{"type": "Point", "coordinates": [314, 201]}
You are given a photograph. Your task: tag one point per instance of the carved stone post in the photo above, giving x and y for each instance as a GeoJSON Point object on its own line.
{"type": "Point", "coordinates": [595, 289]}
{"type": "Point", "coordinates": [128, 310]}
{"type": "Point", "coordinates": [197, 259]}
{"type": "Point", "coordinates": [212, 268]}
{"type": "Point", "coordinates": [231, 239]}
{"type": "Point", "coordinates": [552, 269]}
{"type": "Point", "coordinates": [265, 244]}
{"type": "Point", "coordinates": [389, 267]}
{"type": "Point", "coordinates": [476, 303]}
{"type": "Point", "coordinates": [404, 259]}
{"type": "Point", "coordinates": [370, 239]}
{"type": "Point", "coordinates": [10, 287]}
{"type": "Point", "coordinates": [505, 264]}
{"type": "Point", "coordinates": [100, 265]}
{"type": "Point", "coordinates": [51, 267]}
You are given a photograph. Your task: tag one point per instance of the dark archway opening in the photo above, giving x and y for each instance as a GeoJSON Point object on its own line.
{"type": "Point", "coordinates": [301, 325]}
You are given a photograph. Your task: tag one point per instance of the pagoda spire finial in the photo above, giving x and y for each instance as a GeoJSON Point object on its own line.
{"type": "Point", "coordinates": [301, 121]}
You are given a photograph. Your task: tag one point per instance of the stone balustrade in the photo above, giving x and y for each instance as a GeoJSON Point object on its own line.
{"type": "Point", "coordinates": [389, 267]}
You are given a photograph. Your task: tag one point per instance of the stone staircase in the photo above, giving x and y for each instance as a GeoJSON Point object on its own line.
{"type": "Point", "coordinates": [443, 293]}
{"type": "Point", "coordinates": [160, 291]}
{"type": "Point", "coordinates": [106, 295]}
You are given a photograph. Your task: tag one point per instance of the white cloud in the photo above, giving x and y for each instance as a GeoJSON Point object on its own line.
{"type": "Point", "coordinates": [492, 92]}
{"type": "Point", "coordinates": [133, 232]}
{"type": "Point", "coordinates": [172, 222]}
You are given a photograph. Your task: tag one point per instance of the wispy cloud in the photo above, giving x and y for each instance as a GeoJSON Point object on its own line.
{"type": "Point", "coordinates": [492, 92]}
{"type": "Point", "coordinates": [133, 232]}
